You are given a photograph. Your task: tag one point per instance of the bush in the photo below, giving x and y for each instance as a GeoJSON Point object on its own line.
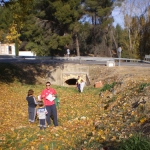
{"type": "Point", "coordinates": [136, 142]}
{"type": "Point", "coordinates": [108, 87]}
{"type": "Point", "coordinates": [143, 85]}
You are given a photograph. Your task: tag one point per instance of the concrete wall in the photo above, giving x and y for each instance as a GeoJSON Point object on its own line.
{"type": "Point", "coordinates": [60, 74]}
{"type": "Point", "coordinates": [55, 76]}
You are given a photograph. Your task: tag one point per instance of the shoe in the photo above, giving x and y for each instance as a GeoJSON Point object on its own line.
{"type": "Point", "coordinates": [54, 128]}
{"type": "Point", "coordinates": [31, 123]}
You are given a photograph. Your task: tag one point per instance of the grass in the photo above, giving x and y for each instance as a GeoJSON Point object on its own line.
{"type": "Point", "coordinates": [142, 86]}
{"type": "Point", "coordinates": [77, 116]}
{"type": "Point", "coordinates": [135, 142]}
{"type": "Point", "coordinates": [108, 87]}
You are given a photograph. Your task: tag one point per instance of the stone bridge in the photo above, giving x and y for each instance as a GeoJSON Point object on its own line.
{"type": "Point", "coordinates": [66, 74]}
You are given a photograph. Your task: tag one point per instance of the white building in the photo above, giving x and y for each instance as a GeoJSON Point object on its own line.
{"type": "Point", "coordinates": [9, 49]}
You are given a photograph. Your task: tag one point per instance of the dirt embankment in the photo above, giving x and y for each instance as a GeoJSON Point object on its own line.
{"type": "Point", "coordinates": [132, 88]}
{"type": "Point", "coordinates": [118, 74]}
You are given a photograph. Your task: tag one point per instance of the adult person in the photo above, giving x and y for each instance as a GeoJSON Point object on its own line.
{"type": "Point", "coordinates": [119, 50]}
{"type": "Point", "coordinates": [78, 83]}
{"type": "Point", "coordinates": [48, 95]}
{"type": "Point", "coordinates": [68, 52]}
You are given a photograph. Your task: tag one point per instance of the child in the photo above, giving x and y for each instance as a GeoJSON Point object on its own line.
{"type": "Point", "coordinates": [31, 106]}
{"type": "Point", "coordinates": [78, 83]}
{"type": "Point", "coordinates": [82, 84]}
{"type": "Point", "coordinates": [41, 112]}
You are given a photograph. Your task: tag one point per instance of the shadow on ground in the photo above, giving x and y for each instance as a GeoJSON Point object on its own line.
{"type": "Point", "coordinates": [24, 73]}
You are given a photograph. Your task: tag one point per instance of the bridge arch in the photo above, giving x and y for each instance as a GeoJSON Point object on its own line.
{"type": "Point", "coordinates": [66, 75]}
{"type": "Point", "coordinates": [71, 78]}
{"type": "Point", "coordinates": [71, 81]}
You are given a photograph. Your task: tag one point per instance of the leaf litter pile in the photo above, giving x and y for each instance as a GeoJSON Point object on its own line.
{"type": "Point", "coordinates": [97, 119]}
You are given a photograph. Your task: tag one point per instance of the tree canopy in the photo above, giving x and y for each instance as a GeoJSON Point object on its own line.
{"type": "Point", "coordinates": [49, 27]}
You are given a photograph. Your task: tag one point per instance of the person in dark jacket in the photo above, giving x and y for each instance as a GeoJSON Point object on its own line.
{"type": "Point", "coordinates": [31, 105]}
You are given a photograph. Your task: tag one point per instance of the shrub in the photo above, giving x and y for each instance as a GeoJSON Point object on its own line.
{"type": "Point", "coordinates": [136, 142]}
{"type": "Point", "coordinates": [143, 85]}
{"type": "Point", "coordinates": [108, 87]}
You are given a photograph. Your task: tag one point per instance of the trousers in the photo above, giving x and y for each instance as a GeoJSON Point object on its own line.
{"type": "Point", "coordinates": [32, 113]}
{"type": "Point", "coordinates": [52, 111]}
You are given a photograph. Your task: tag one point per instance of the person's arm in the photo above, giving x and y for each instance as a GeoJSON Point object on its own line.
{"type": "Point", "coordinates": [54, 93]}
{"type": "Point", "coordinates": [76, 81]}
{"type": "Point", "coordinates": [46, 112]}
{"type": "Point", "coordinates": [42, 94]}
{"type": "Point", "coordinates": [35, 101]}
{"type": "Point", "coordinates": [27, 98]}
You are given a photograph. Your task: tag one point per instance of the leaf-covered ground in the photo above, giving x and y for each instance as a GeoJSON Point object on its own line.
{"type": "Point", "coordinates": [95, 119]}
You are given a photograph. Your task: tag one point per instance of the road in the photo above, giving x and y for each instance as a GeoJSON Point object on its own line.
{"type": "Point", "coordinates": [52, 61]}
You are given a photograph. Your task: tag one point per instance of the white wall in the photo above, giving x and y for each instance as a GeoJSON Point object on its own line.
{"type": "Point", "coordinates": [9, 49]}
{"type": "Point", "coordinates": [4, 49]}
{"type": "Point", "coordinates": [26, 53]}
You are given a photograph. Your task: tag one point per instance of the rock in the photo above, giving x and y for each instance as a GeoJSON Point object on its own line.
{"type": "Point", "coordinates": [98, 84]}
{"type": "Point", "coordinates": [141, 101]}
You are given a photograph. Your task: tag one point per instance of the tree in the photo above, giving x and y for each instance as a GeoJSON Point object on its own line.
{"type": "Point", "coordinates": [16, 11]}
{"type": "Point", "coordinates": [99, 11]}
{"type": "Point", "coordinates": [83, 34]}
{"type": "Point", "coordinates": [121, 37]}
{"type": "Point", "coordinates": [6, 19]}
{"type": "Point", "coordinates": [132, 23]}
{"type": "Point", "coordinates": [56, 21]}
{"type": "Point", "coordinates": [144, 35]}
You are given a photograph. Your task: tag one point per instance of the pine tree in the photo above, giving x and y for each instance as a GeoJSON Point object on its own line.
{"type": "Point", "coordinates": [56, 21]}
{"type": "Point", "coordinates": [99, 11]}
{"type": "Point", "coordinates": [13, 16]}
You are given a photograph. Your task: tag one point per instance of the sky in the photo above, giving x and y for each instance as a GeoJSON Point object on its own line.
{"type": "Point", "coordinates": [118, 17]}
{"type": "Point", "coordinates": [130, 7]}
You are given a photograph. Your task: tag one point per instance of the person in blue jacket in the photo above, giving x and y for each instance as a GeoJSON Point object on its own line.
{"type": "Point", "coordinates": [31, 105]}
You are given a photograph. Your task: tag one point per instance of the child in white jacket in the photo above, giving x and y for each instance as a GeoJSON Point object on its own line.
{"type": "Point", "coordinates": [82, 84]}
{"type": "Point", "coordinates": [41, 112]}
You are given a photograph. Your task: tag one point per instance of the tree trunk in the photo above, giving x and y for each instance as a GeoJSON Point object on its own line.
{"type": "Point", "coordinates": [16, 47]}
{"type": "Point", "coordinates": [116, 46]}
{"type": "Point", "coordinates": [110, 53]}
{"type": "Point", "coordinates": [77, 45]}
{"type": "Point", "coordinates": [130, 43]}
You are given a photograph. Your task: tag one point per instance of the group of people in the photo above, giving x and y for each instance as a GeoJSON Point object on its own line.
{"type": "Point", "coordinates": [47, 108]}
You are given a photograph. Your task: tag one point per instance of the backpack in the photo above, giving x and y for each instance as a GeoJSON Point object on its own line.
{"type": "Point", "coordinates": [57, 101]}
